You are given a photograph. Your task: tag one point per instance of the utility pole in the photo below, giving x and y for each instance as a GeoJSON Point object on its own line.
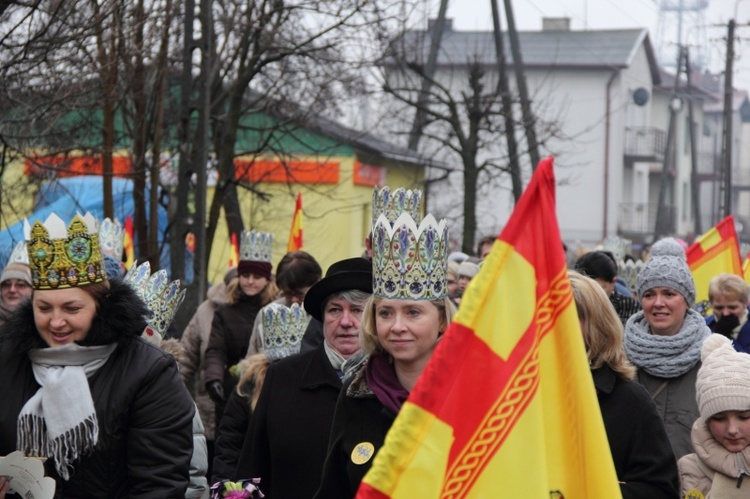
{"type": "Point", "coordinates": [436, 35]}
{"type": "Point", "coordinates": [726, 149]}
{"type": "Point", "coordinates": [529, 121]}
{"type": "Point", "coordinates": [663, 226]}
{"type": "Point", "coordinates": [504, 90]}
{"type": "Point", "coordinates": [694, 186]}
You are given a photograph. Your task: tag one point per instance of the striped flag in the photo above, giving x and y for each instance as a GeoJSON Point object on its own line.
{"type": "Point", "coordinates": [128, 243]}
{"type": "Point", "coordinates": [715, 252]}
{"type": "Point", "coordinates": [295, 234]}
{"type": "Point", "coordinates": [746, 268]}
{"type": "Point", "coordinates": [506, 406]}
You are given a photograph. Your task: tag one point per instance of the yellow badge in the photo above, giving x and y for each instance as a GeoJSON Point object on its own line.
{"type": "Point", "coordinates": [362, 452]}
{"type": "Point", "coordinates": [694, 494]}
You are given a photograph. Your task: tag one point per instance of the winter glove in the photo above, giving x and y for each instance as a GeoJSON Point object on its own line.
{"type": "Point", "coordinates": [726, 325]}
{"type": "Point", "coordinates": [215, 390]}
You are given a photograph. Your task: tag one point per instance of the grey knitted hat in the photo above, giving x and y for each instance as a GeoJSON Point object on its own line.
{"type": "Point", "coordinates": [723, 383]}
{"type": "Point", "coordinates": [667, 267]}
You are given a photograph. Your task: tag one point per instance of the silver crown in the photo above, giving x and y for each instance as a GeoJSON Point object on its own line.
{"type": "Point", "coordinates": [256, 246]}
{"type": "Point", "coordinates": [283, 328]}
{"type": "Point", "coordinates": [111, 237]}
{"type": "Point", "coordinates": [393, 204]}
{"type": "Point", "coordinates": [162, 298]}
{"type": "Point", "coordinates": [19, 254]}
{"type": "Point", "coordinates": [410, 261]}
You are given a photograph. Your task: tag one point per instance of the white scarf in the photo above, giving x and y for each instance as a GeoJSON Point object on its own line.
{"type": "Point", "coordinates": [70, 428]}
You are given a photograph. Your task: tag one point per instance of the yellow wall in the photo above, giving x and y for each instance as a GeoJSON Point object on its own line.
{"type": "Point", "coordinates": [336, 218]}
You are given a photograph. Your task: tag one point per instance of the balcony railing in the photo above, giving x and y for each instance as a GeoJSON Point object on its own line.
{"type": "Point", "coordinates": [640, 218]}
{"type": "Point", "coordinates": [645, 144]}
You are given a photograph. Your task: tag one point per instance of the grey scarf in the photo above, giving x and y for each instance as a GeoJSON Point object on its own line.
{"type": "Point", "coordinates": [665, 356]}
{"type": "Point", "coordinates": [59, 420]}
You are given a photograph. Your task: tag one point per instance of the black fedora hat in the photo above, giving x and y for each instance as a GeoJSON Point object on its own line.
{"type": "Point", "coordinates": [352, 273]}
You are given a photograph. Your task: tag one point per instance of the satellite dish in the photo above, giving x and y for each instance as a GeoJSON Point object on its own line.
{"type": "Point", "coordinates": [641, 96]}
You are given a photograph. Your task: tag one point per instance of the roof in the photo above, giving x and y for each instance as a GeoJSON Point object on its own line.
{"type": "Point", "coordinates": [599, 49]}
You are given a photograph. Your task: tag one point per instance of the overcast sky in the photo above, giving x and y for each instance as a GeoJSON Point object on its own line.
{"type": "Point", "coordinates": [607, 14]}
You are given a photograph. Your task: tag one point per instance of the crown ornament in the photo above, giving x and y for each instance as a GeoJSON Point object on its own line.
{"type": "Point", "coordinates": [19, 254]}
{"type": "Point", "coordinates": [112, 237]}
{"type": "Point", "coordinates": [162, 298]}
{"type": "Point", "coordinates": [64, 257]}
{"type": "Point", "coordinates": [393, 204]}
{"type": "Point", "coordinates": [283, 328]}
{"type": "Point", "coordinates": [256, 246]}
{"type": "Point", "coordinates": [410, 261]}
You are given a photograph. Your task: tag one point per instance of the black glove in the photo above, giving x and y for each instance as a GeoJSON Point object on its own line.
{"type": "Point", "coordinates": [726, 325]}
{"type": "Point", "coordinates": [215, 390]}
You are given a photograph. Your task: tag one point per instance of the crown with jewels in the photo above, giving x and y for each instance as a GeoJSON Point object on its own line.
{"type": "Point", "coordinates": [162, 298]}
{"type": "Point", "coordinates": [64, 257]}
{"type": "Point", "coordinates": [112, 237]}
{"type": "Point", "coordinates": [283, 328]}
{"type": "Point", "coordinates": [19, 254]}
{"type": "Point", "coordinates": [393, 204]}
{"type": "Point", "coordinates": [256, 246]}
{"type": "Point", "coordinates": [410, 261]}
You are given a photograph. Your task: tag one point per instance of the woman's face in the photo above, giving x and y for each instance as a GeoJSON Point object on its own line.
{"type": "Point", "coordinates": [63, 316]}
{"type": "Point", "coordinates": [724, 305]}
{"type": "Point", "coordinates": [408, 330]}
{"type": "Point", "coordinates": [14, 291]}
{"type": "Point", "coordinates": [252, 284]}
{"type": "Point", "coordinates": [665, 310]}
{"type": "Point", "coordinates": [731, 429]}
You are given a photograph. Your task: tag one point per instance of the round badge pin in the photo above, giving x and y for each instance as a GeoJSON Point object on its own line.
{"type": "Point", "coordinates": [362, 452]}
{"type": "Point", "coordinates": [694, 494]}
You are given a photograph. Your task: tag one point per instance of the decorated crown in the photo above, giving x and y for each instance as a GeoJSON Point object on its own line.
{"type": "Point", "coordinates": [256, 246]}
{"type": "Point", "coordinates": [162, 298]}
{"type": "Point", "coordinates": [283, 328]}
{"type": "Point", "coordinates": [19, 254]}
{"type": "Point", "coordinates": [410, 262]}
{"type": "Point", "coordinates": [64, 257]}
{"type": "Point", "coordinates": [393, 204]}
{"type": "Point", "coordinates": [112, 237]}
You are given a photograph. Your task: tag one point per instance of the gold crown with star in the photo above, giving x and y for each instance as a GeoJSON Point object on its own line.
{"type": "Point", "coordinates": [63, 256]}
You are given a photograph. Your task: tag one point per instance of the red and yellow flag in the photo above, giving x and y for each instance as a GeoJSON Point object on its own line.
{"type": "Point", "coordinates": [234, 256]}
{"type": "Point", "coordinates": [295, 234]}
{"type": "Point", "coordinates": [506, 406]}
{"type": "Point", "coordinates": [715, 252]}
{"type": "Point", "coordinates": [746, 268]}
{"type": "Point", "coordinates": [128, 242]}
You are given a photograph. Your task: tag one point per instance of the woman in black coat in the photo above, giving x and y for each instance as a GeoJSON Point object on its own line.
{"type": "Point", "coordinates": [642, 454]}
{"type": "Point", "coordinates": [79, 366]}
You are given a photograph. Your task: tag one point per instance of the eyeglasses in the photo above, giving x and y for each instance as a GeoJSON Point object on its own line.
{"type": "Point", "coordinates": [451, 281]}
{"type": "Point", "coordinates": [18, 284]}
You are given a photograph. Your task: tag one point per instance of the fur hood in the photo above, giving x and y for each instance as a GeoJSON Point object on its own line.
{"type": "Point", "coordinates": [119, 319]}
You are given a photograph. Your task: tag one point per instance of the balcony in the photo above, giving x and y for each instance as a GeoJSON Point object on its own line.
{"type": "Point", "coordinates": [644, 144]}
{"type": "Point", "coordinates": [639, 219]}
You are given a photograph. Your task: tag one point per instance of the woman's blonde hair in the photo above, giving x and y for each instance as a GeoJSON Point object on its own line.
{"type": "Point", "coordinates": [253, 371]}
{"type": "Point", "coordinates": [728, 286]}
{"type": "Point", "coordinates": [234, 292]}
{"type": "Point", "coordinates": [368, 334]}
{"type": "Point", "coordinates": [602, 329]}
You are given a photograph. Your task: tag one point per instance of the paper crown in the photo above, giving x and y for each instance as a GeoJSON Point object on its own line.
{"type": "Point", "coordinates": [256, 246]}
{"type": "Point", "coordinates": [162, 298]}
{"type": "Point", "coordinates": [112, 237]}
{"type": "Point", "coordinates": [393, 204]}
{"type": "Point", "coordinates": [64, 257]}
{"type": "Point", "coordinates": [410, 261]}
{"type": "Point", "coordinates": [19, 254]}
{"type": "Point", "coordinates": [283, 328]}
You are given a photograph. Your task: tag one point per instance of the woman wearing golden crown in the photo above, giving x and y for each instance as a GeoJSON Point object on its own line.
{"type": "Point", "coordinates": [106, 409]}
{"type": "Point", "coordinates": [402, 323]}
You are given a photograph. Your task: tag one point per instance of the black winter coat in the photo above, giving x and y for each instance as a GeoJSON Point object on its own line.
{"type": "Point", "coordinates": [145, 413]}
{"type": "Point", "coordinates": [288, 435]}
{"type": "Point", "coordinates": [641, 451]}
{"type": "Point", "coordinates": [230, 437]}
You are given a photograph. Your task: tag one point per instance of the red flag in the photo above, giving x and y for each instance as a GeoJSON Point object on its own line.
{"type": "Point", "coordinates": [234, 257]}
{"type": "Point", "coordinates": [295, 234]}
{"type": "Point", "coordinates": [128, 243]}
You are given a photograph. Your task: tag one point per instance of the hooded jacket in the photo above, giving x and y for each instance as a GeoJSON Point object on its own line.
{"type": "Point", "coordinates": [145, 413]}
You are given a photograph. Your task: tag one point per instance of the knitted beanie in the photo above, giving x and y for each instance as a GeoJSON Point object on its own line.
{"type": "Point", "coordinates": [468, 269]}
{"type": "Point", "coordinates": [667, 267]}
{"type": "Point", "coordinates": [16, 271]}
{"type": "Point", "coordinates": [723, 383]}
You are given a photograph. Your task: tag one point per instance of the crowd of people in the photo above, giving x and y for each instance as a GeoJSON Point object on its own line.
{"type": "Point", "coordinates": [290, 380]}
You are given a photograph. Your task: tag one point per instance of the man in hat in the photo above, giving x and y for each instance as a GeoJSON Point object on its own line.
{"type": "Point", "coordinates": [15, 287]}
{"type": "Point", "coordinates": [287, 438]}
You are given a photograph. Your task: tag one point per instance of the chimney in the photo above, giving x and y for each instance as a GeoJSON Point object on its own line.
{"type": "Point", "coordinates": [555, 24]}
{"type": "Point", "coordinates": [447, 25]}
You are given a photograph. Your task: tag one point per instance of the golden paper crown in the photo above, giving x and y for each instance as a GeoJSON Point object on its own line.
{"type": "Point", "coordinates": [64, 257]}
